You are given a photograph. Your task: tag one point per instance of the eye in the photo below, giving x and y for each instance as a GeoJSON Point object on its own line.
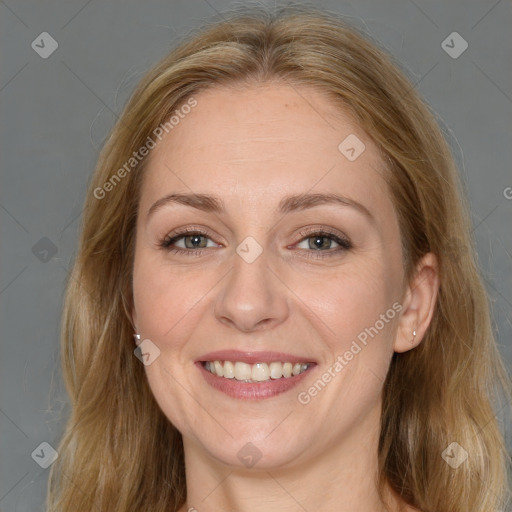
{"type": "Point", "coordinates": [187, 242]}
{"type": "Point", "coordinates": [322, 242]}
{"type": "Point", "coordinates": [316, 244]}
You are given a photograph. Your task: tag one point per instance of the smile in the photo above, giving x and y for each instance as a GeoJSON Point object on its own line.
{"type": "Point", "coordinates": [258, 372]}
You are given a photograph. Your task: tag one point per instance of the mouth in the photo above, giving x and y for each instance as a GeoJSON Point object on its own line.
{"type": "Point", "coordinates": [258, 372]}
{"type": "Point", "coordinates": [252, 376]}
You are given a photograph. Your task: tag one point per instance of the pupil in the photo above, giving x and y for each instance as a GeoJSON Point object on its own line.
{"type": "Point", "coordinates": [318, 241]}
{"type": "Point", "coordinates": [195, 240]}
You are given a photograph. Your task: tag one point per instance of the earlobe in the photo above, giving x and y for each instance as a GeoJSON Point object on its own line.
{"type": "Point", "coordinates": [419, 305]}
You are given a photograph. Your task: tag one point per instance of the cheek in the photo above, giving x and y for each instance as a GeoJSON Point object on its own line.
{"type": "Point", "coordinates": [354, 308]}
{"type": "Point", "coordinates": [349, 300]}
{"type": "Point", "coordinates": [166, 297]}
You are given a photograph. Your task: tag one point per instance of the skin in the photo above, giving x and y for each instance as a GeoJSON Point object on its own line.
{"type": "Point", "coordinates": [252, 146]}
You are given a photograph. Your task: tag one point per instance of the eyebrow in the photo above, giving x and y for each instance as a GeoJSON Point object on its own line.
{"type": "Point", "coordinates": [298, 202]}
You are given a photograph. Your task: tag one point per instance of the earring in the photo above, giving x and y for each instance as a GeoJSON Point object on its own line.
{"type": "Point", "coordinates": [414, 336]}
{"type": "Point", "coordinates": [137, 338]}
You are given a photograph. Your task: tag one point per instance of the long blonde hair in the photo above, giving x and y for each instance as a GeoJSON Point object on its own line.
{"type": "Point", "coordinates": [119, 452]}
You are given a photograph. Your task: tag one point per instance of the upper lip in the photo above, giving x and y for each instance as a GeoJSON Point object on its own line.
{"type": "Point", "coordinates": [253, 357]}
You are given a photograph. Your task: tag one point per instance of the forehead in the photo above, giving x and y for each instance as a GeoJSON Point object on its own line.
{"type": "Point", "coordinates": [252, 145]}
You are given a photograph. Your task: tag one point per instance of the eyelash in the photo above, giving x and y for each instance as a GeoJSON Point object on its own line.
{"type": "Point", "coordinates": [343, 242]}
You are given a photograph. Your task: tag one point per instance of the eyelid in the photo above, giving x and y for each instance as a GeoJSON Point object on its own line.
{"type": "Point", "coordinates": [180, 233]}
{"type": "Point", "coordinates": [327, 231]}
{"type": "Point", "coordinates": [189, 230]}
{"type": "Point", "coordinates": [320, 229]}
{"type": "Point", "coordinates": [337, 236]}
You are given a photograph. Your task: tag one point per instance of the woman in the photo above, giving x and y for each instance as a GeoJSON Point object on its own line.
{"type": "Point", "coordinates": [273, 221]}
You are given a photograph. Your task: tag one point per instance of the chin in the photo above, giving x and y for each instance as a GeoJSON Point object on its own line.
{"type": "Point", "coordinates": [254, 455]}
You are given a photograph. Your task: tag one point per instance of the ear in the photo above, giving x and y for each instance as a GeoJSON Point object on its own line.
{"type": "Point", "coordinates": [419, 303]}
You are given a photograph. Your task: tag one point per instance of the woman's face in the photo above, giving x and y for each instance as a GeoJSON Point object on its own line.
{"type": "Point", "coordinates": [275, 273]}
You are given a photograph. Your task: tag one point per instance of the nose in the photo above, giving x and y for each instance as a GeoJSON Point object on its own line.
{"type": "Point", "coordinates": [252, 297]}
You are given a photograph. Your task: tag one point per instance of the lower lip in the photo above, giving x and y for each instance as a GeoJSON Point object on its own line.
{"type": "Point", "coordinates": [252, 390]}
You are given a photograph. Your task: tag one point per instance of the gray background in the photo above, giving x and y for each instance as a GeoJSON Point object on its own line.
{"type": "Point", "coordinates": [55, 113]}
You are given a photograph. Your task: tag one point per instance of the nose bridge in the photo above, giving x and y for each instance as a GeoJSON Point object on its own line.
{"type": "Point", "coordinates": [251, 296]}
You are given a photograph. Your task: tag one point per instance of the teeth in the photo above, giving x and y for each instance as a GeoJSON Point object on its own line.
{"type": "Point", "coordinates": [276, 370]}
{"type": "Point", "coordinates": [229, 370]}
{"type": "Point", "coordinates": [242, 371]}
{"type": "Point", "coordinates": [258, 372]}
{"type": "Point", "coordinates": [219, 369]}
{"type": "Point", "coordinates": [297, 367]}
{"type": "Point", "coordinates": [287, 370]}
